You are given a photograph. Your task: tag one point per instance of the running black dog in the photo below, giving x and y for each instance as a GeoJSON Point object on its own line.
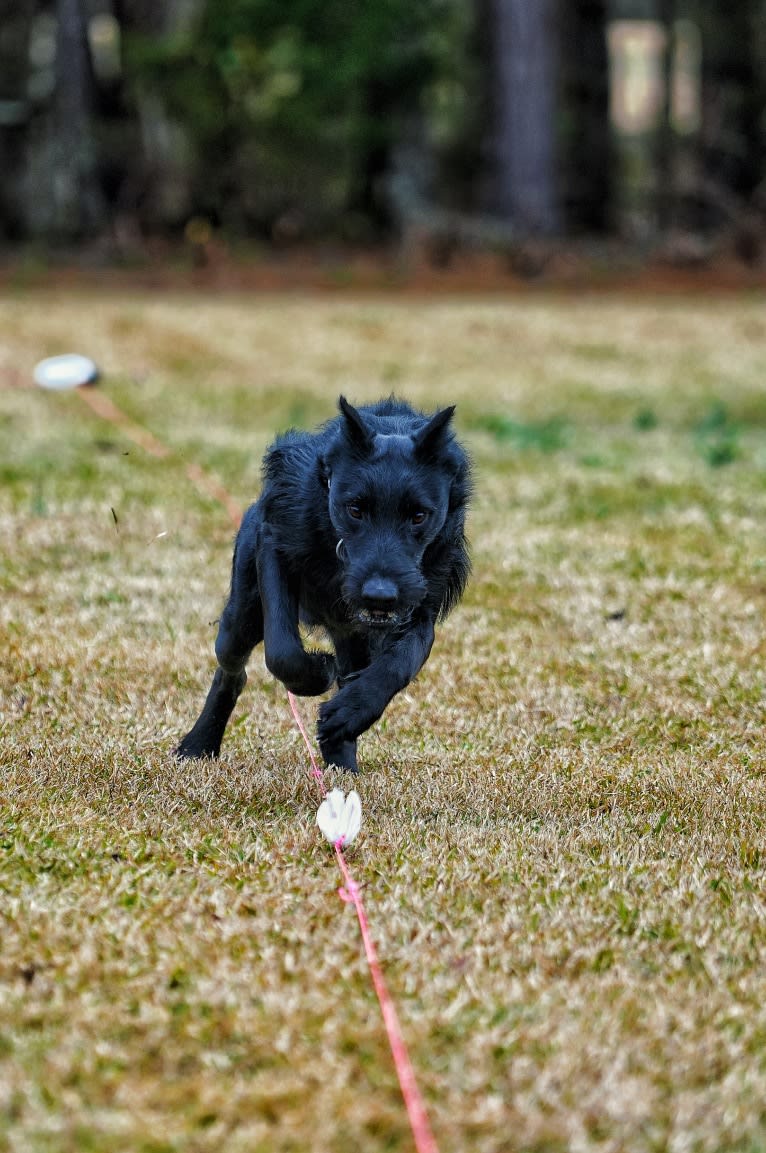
{"type": "Point", "coordinates": [359, 530]}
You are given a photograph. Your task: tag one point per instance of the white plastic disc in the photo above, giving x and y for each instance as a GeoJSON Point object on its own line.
{"type": "Point", "coordinates": [67, 371]}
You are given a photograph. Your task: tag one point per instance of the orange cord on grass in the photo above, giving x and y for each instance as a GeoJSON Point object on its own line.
{"type": "Point", "coordinates": [203, 481]}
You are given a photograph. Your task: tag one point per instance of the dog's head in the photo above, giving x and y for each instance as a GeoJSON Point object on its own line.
{"type": "Point", "coordinates": [391, 476]}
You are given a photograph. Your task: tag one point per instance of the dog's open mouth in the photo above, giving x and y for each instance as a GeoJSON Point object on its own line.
{"type": "Point", "coordinates": [378, 618]}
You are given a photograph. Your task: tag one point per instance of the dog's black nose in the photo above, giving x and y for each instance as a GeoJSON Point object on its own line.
{"type": "Point", "coordinates": [379, 594]}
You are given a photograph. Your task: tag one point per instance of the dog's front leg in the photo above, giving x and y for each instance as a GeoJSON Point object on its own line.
{"type": "Point", "coordinates": [361, 702]}
{"type": "Point", "coordinates": [307, 674]}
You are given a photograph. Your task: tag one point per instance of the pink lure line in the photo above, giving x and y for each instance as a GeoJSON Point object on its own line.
{"type": "Point", "coordinates": [421, 1129]}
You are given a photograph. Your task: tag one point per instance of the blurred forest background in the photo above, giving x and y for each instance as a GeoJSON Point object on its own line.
{"type": "Point", "coordinates": [456, 124]}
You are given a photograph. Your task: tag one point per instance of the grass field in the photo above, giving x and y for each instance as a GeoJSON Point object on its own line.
{"type": "Point", "coordinates": [564, 837]}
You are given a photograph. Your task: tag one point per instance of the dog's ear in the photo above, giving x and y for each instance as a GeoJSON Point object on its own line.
{"type": "Point", "coordinates": [432, 436]}
{"type": "Point", "coordinates": [357, 430]}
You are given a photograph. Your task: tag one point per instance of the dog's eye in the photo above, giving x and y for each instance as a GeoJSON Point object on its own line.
{"type": "Point", "coordinates": [418, 516]}
{"type": "Point", "coordinates": [354, 510]}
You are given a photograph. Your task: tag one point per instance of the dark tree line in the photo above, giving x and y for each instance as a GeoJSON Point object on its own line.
{"type": "Point", "coordinates": [120, 119]}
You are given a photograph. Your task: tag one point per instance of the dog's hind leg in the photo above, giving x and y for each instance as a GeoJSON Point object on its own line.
{"type": "Point", "coordinates": [240, 630]}
{"type": "Point", "coordinates": [204, 740]}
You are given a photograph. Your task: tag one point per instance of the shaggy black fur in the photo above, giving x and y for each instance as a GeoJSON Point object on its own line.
{"type": "Point", "coordinates": [359, 530]}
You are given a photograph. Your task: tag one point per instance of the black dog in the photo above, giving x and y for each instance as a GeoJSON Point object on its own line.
{"type": "Point", "coordinates": [359, 530]}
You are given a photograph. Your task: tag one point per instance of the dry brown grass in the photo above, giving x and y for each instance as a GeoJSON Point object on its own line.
{"type": "Point", "coordinates": [563, 845]}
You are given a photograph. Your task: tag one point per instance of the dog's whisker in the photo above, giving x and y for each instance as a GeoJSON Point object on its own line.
{"type": "Point", "coordinates": [340, 607]}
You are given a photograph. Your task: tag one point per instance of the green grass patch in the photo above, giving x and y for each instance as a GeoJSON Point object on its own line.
{"type": "Point", "coordinates": [540, 436]}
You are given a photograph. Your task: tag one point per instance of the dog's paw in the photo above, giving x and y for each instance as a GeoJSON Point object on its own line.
{"type": "Point", "coordinates": [315, 676]}
{"type": "Point", "coordinates": [194, 746]}
{"type": "Point", "coordinates": [343, 718]}
{"type": "Point", "coordinates": [342, 756]}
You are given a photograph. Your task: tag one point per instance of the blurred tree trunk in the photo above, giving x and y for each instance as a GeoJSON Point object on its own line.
{"type": "Point", "coordinates": [157, 188]}
{"type": "Point", "coordinates": [78, 203]}
{"type": "Point", "coordinates": [368, 197]}
{"type": "Point", "coordinates": [664, 152]}
{"type": "Point", "coordinates": [524, 73]}
{"type": "Point", "coordinates": [15, 24]}
{"type": "Point", "coordinates": [587, 152]}
{"type": "Point", "coordinates": [732, 95]}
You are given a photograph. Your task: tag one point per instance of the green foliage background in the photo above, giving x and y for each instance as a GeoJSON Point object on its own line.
{"type": "Point", "coordinates": [289, 123]}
